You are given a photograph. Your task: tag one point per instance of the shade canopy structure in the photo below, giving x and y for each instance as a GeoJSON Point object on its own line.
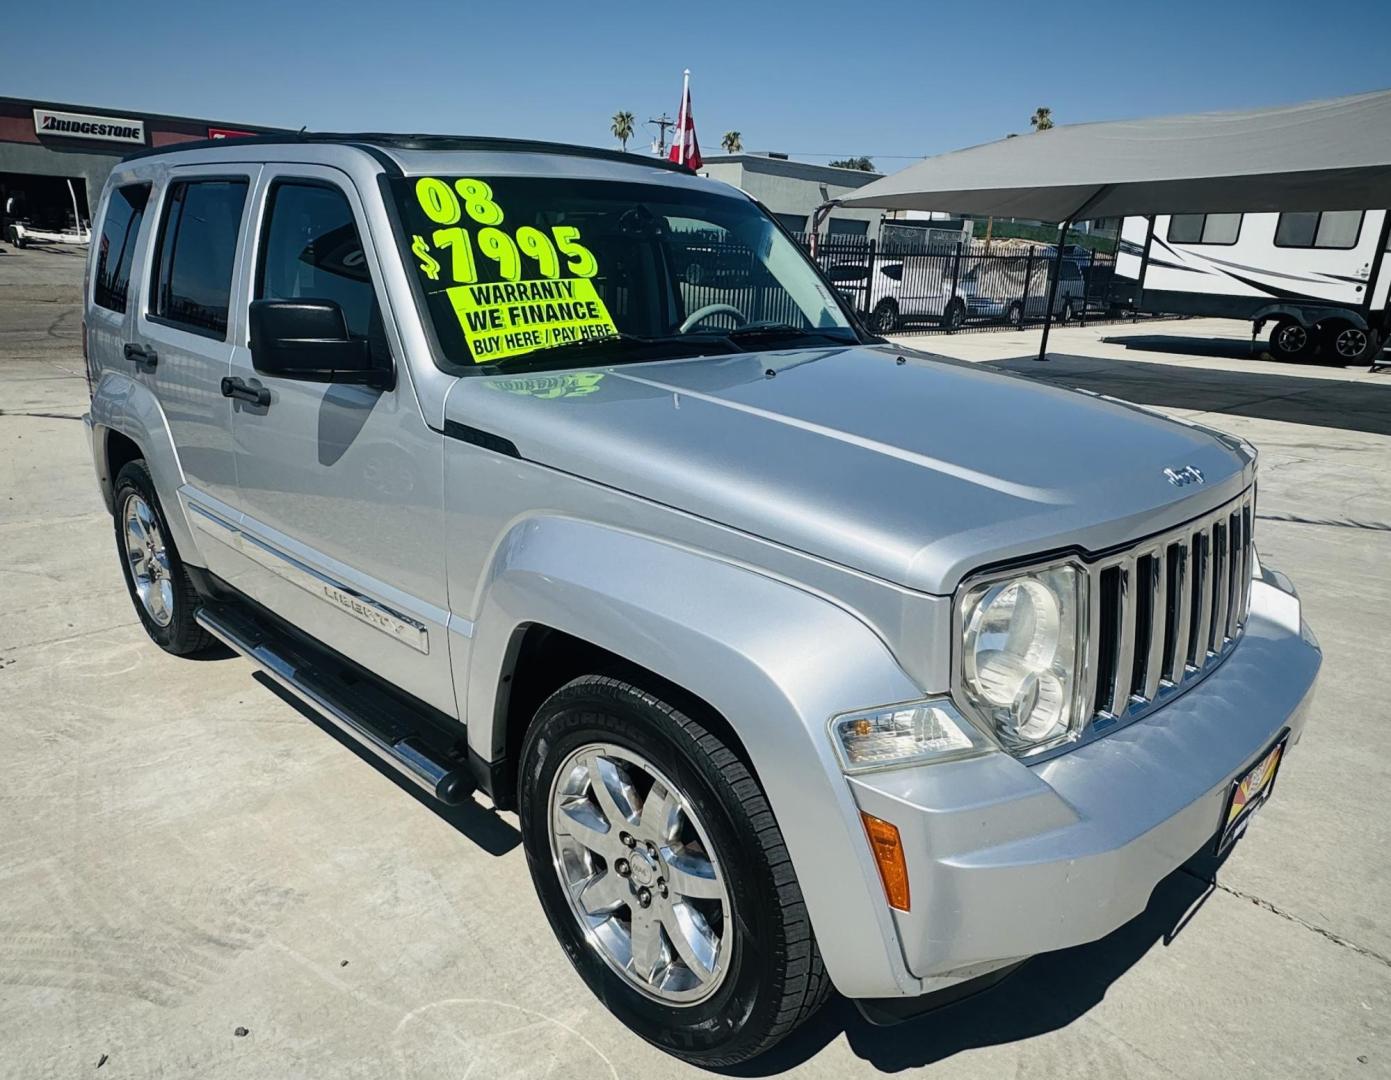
{"type": "Point", "coordinates": [1321, 155]}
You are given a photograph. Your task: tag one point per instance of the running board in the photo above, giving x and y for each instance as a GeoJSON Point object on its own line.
{"type": "Point", "coordinates": [372, 715]}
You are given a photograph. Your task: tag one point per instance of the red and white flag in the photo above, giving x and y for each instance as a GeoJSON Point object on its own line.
{"type": "Point", "coordinates": [685, 150]}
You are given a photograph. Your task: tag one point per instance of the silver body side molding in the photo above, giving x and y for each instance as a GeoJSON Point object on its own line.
{"type": "Point", "coordinates": [366, 609]}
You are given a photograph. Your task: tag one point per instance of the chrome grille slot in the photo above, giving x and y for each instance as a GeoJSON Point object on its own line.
{"type": "Point", "coordinates": [1166, 609]}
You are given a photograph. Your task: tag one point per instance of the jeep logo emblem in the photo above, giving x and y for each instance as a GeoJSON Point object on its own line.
{"type": "Point", "coordinates": [1189, 474]}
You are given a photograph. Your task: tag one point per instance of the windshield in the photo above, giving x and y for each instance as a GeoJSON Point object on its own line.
{"type": "Point", "coordinates": [527, 272]}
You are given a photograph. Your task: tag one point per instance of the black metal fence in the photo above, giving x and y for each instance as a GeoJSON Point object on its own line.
{"type": "Point", "coordinates": [960, 287]}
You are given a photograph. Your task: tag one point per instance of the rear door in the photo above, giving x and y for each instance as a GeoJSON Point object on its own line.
{"type": "Point", "coordinates": [185, 330]}
{"type": "Point", "coordinates": [340, 486]}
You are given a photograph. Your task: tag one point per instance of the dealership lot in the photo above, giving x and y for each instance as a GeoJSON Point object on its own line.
{"type": "Point", "coordinates": [185, 855]}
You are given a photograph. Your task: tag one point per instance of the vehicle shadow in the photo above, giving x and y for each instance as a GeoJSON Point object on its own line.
{"type": "Point", "coordinates": [1192, 345]}
{"type": "Point", "coordinates": [482, 826]}
{"type": "Point", "coordinates": [1352, 405]}
{"type": "Point", "coordinates": [1048, 993]}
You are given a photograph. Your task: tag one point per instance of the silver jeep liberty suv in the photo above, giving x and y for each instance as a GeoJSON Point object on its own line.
{"type": "Point", "coordinates": [562, 477]}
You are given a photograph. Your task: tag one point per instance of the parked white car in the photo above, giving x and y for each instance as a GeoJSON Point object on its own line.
{"type": "Point", "coordinates": [903, 291]}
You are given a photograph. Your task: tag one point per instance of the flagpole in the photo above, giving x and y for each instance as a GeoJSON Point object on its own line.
{"type": "Point", "coordinates": [685, 108]}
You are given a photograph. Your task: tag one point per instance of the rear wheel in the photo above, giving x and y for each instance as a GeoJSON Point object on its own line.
{"type": "Point", "coordinates": [664, 875]}
{"type": "Point", "coordinates": [884, 319]}
{"type": "Point", "coordinates": [954, 318]}
{"type": "Point", "coordinates": [1290, 340]}
{"type": "Point", "coordinates": [164, 597]}
{"type": "Point", "coordinates": [1015, 315]}
{"type": "Point", "coordinates": [1353, 345]}
{"type": "Point", "coordinates": [1068, 313]}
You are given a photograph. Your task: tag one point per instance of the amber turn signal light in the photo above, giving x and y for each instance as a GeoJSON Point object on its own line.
{"type": "Point", "coordinates": [888, 856]}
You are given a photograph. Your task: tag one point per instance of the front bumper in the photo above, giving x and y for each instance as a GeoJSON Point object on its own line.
{"type": "Point", "coordinates": [1007, 860]}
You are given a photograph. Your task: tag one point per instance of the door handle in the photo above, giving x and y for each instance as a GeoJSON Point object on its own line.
{"type": "Point", "coordinates": [238, 388]}
{"type": "Point", "coordinates": [142, 356]}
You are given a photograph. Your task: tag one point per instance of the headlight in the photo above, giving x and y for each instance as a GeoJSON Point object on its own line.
{"type": "Point", "coordinates": [1020, 654]}
{"type": "Point", "coordinates": [911, 734]}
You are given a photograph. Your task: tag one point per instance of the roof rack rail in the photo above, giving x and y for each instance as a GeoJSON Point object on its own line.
{"type": "Point", "coordinates": [368, 140]}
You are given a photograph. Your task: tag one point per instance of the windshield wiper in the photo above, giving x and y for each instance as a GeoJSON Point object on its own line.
{"type": "Point", "coordinates": [781, 330]}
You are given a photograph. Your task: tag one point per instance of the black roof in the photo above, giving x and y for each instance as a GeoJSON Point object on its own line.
{"type": "Point", "coordinates": [375, 142]}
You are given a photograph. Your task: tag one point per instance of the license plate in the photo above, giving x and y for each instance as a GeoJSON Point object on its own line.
{"type": "Point", "coordinates": [1249, 792]}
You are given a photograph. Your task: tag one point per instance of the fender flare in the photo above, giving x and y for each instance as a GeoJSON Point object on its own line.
{"type": "Point", "coordinates": [1307, 315]}
{"type": "Point", "coordinates": [122, 405]}
{"type": "Point", "coordinates": [777, 678]}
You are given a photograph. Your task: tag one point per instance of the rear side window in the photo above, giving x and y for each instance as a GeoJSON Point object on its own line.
{"type": "Point", "coordinates": [197, 247]}
{"type": "Point", "coordinates": [893, 271]}
{"type": "Point", "coordinates": [116, 249]}
{"type": "Point", "coordinates": [1330, 229]}
{"type": "Point", "coordinates": [311, 250]}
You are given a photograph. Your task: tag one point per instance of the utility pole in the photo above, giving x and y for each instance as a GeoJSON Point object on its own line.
{"type": "Point", "coordinates": [661, 123]}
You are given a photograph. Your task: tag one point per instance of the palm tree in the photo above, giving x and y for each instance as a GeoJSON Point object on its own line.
{"type": "Point", "coordinates": [622, 127]}
{"type": "Point", "coordinates": [731, 142]}
{"type": "Point", "coordinates": [1042, 119]}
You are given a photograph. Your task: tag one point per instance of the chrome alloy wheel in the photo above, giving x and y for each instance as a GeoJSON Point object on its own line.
{"type": "Point", "coordinates": [640, 874]}
{"type": "Point", "coordinates": [1351, 343]}
{"type": "Point", "coordinates": [148, 560]}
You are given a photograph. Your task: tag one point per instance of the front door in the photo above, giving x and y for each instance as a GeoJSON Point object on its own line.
{"type": "Point", "coordinates": [340, 486]}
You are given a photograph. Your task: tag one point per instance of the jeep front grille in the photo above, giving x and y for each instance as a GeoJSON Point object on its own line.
{"type": "Point", "coordinates": [1167, 609]}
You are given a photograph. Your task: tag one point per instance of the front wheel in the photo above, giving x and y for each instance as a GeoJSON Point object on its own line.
{"type": "Point", "coordinates": [663, 874]}
{"type": "Point", "coordinates": [1015, 315]}
{"type": "Point", "coordinates": [954, 318]}
{"type": "Point", "coordinates": [1290, 340]}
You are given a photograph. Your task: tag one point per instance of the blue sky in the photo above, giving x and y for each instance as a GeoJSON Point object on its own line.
{"type": "Point", "coordinates": [817, 80]}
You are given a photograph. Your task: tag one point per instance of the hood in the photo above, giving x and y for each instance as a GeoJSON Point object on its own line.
{"type": "Point", "coordinates": [914, 469]}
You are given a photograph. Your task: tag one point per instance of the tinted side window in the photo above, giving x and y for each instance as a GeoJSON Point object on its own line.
{"type": "Point", "coordinates": [1338, 229]}
{"type": "Point", "coordinates": [116, 250]}
{"type": "Point", "coordinates": [1296, 230]}
{"type": "Point", "coordinates": [311, 251]}
{"type": "Point", "coordinates": [1186, 228]}
{"type": "Point", "coordinates": [1221, 228]}
{"type": "Point", "coordinates": [1204, 228]}
{"type": "Point", "coordinates": [893, 271]}
{"type": "Point", "coordinates": [198, 245]}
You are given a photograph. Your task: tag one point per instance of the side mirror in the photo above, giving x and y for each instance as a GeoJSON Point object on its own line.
{"type": "Point", "coordinates": [309, 339]}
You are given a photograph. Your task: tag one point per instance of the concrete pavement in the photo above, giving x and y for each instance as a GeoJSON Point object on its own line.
{"type": "Point", "coordinates": [185, 855]}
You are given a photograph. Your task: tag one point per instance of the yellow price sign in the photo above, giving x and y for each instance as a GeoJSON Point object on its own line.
{"type": "Point", "coordinates": [513, 315]}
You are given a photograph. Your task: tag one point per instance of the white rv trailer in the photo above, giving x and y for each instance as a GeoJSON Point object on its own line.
{"type": "Point", "coordinates": [1320, 278]}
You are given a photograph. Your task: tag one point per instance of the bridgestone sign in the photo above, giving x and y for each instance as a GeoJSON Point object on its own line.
{"type": "Point", "coordinates": [83, 126]}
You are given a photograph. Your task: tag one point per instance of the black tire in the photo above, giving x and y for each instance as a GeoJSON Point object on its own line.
{"type": "Point", "coordinates": [1289, 340]}
{"type": "Point", "coordinates": [884, 319]}
{"type": "Point", "coordinates": [775, 978]}
{"type": "Point", "coordinates": [1015, 315]}
{"type": "Point", "coordinates": [181, 636]}
{"type": "Point", "coordinates": [954, 318]}
{"type": "Point", "coordinates": [1067, 314]}
{"type": "Point", "coordinates": [1348, 344]}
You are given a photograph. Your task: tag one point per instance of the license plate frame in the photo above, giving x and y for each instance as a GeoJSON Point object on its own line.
{"type": "Point", "coordinates": [1245, 797]}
